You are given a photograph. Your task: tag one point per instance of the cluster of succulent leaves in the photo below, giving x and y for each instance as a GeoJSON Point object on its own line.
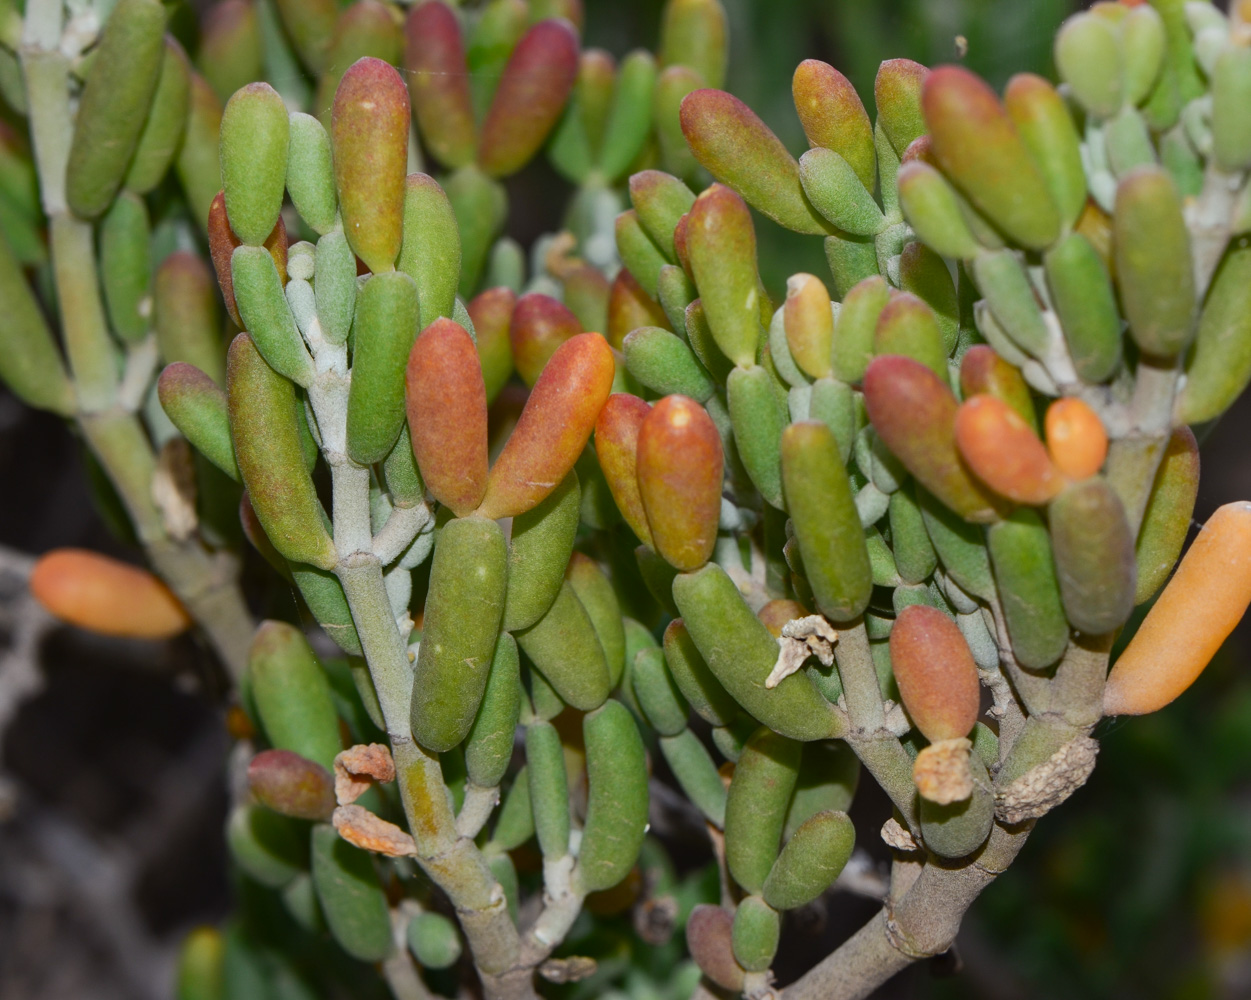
{"type": "Point", "coordinates": [561, 511]}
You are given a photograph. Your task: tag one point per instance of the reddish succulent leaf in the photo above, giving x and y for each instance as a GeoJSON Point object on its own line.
{"type": "Point", "coordinates": [369, 135]}
{"type": "Point", "coordinates": [553, 428]}
{"type": "Point", "coordinates": [492, 312]}
{"type": "Point", "coordinates": [680, 464]}
{"type": "Point", "coordinates": [833, 116]}
{"type": "Point", "coordinates": [438, 83]}
{"type": "Point", "coordinates": [982, 153]}
{"type": "Point", "coordinates": [629, 307]}
{"type": "Point", "coordinates": [741, 151]}
{"type": "Point", "coordinates": [1076, 439]}
{"type": "Point", "coordinates": [222, 244]}
{"type": "Point", "coordinates": [897, 93]}
{"type": "Point", "coordinates": [531, 95]}
{"type": "Point", "coordinates": [982, 371]}
{"type": "Point", "coordinates": [539, 325]}
{"type": "Point", "coordinates": [1004, 452]}
{"type": "Point", "coordinates": [103, 595]}
{"type": "Point", "coordinates": [616, 446]}
{"type": "Point", "coordinates": [708, 935]}
{"type": "Point", "coordinates": [447, 415]}
{"type": "Point", "coordinates": [914, 413]}
{"type": "Point", "coordinates": [292, 785]}
{"type": "Point", "coordinates": [935, 671]}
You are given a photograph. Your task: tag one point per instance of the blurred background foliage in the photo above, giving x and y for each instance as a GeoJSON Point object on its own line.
{"type": "Point", "coordinates": [1140, 887]}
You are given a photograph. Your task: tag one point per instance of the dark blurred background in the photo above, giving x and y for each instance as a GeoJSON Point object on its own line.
{"type": "Point", "coordinates": [112, 794]}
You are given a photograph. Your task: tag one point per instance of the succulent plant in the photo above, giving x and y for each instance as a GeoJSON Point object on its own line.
{"type": "Point", "coordinates": [771, 543]}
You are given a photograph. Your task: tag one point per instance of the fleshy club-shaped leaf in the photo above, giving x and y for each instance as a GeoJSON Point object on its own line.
{"type": "Point", "coordinates": [292, 785]}
{"type": "Point", "coordinates": [1231, 94]}
{"type": "Point", "coordinates": [755, 934]}
{"type": "Point", "coordinates": [758, 417]}
{"type": "Point", "coordinates": [629, 121]}
{"type": "Point", "coordinates": [30, 363]}
{"type": "Point", "coordinates": [694, 33]}
{"type": "Point", "coordinates": [979, 148]}
{"type": "Point", "coordinates": [1153, 263]}
{"type": "Point", "coordinates": [255, 136]}
{"type": "Point", "coordinates": [1025, 574]}
{"type": "Point", "coordinates": [834, 118]}
{"type": "Point", "coordinates": [897, 94]}
{"type": "Point", "coordinates": [491, 312]}
{"type": "Point", "coordinates": [933, 210]}
{"type": "Point", "coordinates": [489, 746]}
{"type": "Point", "coordinates": [1047, 129]}
{"type": "Point", "coordinates": [809, 324]}
{"type": "Point", "coordinates": [530, 97]}
{"type": "Point", "coordinates": [258, 288]}
{"type": "Point", "coordinates": [616, 447]}
{"type": "Point", "coordinates": [167, 120]}
{"type": "Point", "coordinates": [365, 29]}
{"type": "Point", "coordinates": [853, 333]}
{"type": "Point", "coordinates": [721, 242]}
{"type": "Point", "coordinates": [553, 428]}
{"type": "Point", "coordinates": [197, 407]}
{"type": "Point", "coordinates": [351, 897]}
{"type": "Point", "coordinates": [616, 806]}
{"type": "Point", "coordinates": [657, 694]}
{"type": "Point", "coordinates": [935, 671]}
{"type": "Point", "coordinates": [630, 307]}
{"type": "Point", "coordinates": [827, 525]}
{"type": "Point", "coordinates": [708, 933]}
{"type": "Point", "coordinates": [430, 251]}
{"type": "Point", "coordinates": [222, 244]}
{"type": "Point", "coordinates": [834, 190]}
{"type": "Point", "coordinates": [813, 857]}
{"type": "Point", "coordinates": [114, 105]}
{"type": "Point", "coordinates": [1094, 553]}
{"type": "Point", "coordinates": [982, 371]}
{"type": "Point", "coordinates": [1082, 296]}
{"type": "Point", "coordinates": [447, 415]}
{"type": "Point", "coordinates": [1192, 617]}
{"type": "Point", "coordinates": [263, 415]}
{"type": "Point", "coordinates": [1076, 439]}
{"type": "Point", "coordinates": [907, 326]}
{"type": "Point", "coordinates": [198, 162]}
{"type": "Point", "coordinates": [672, 86]}
{"type": "Point", "coordinates": [1004, 452]}
{"type": "Point", "coordinates": [914, 413]}
{"type": "Point", "coordinates": [186, 316]}
{"type": "Point", "coordinates": [738, 149]}
{"type": "Point", "coordinates": [639, 252]}
{"type": "Point", "coordinates": [1220, 367]}
{"type": "Point", "coordinates": [106, 596]}
{"type": "Point", "coordinates": [679, 466]}
{"type": "Point", "coordinates": [539, 325]}
{"type": "Point", "coordinates": [311, 25]}
{"type": "Point", "coordinates": [660, 200]}
{"type": "Point", "coordinates": [663, 363]}
{"type": "Point", "coordinates": [369, 134]}
{"type": "Point", "coordinates": [755, 810]}
{"type": "Point", "coordinates": [230, 46]}
{"type": "Point", "coordinates": [438, 83]}
{"type": "Point", "coordinates": [595, 592]}
{"type": "Point", "coordinates": [565, 649]}
{"type": "Point", "coordinates": [385, 328]}
{"type": "Point", "coordinates": [1088, 57]}
{"type": "Point", "coordinates": [292, 694]}
{"type": "Point", "coordinates": [467, 581]}
{"type": "Point", "coordinates": [741, 653]}
{"type": "Point", "coordinates": [542, 541]}
{"type": "Point", "coordinates": [1170, 508]}
{"type": "Point", "coordinates": [699, 686]}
